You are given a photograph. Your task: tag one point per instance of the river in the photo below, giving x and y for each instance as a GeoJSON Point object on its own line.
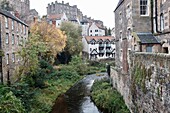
{"type": "Point", "coordinates": [77, 99]}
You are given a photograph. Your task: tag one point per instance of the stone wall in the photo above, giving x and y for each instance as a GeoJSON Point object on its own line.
{"type": "Point", "coordinates": [146, 88]}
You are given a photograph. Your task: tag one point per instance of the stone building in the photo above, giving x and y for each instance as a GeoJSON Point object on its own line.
{"type": "Point", "coordinates": [162, 20]}
{"type": "Point", "coordinates": [13, 35]}
{"type": "Point", "coordinates": [72, 12]}
{"type": "Point", "coordinates": [21, 6]}
{"type": "Point", "coordinates": [130, 16]}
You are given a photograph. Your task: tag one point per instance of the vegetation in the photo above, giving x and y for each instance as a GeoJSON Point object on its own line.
{"type": "Point", "coordinates": [74, 42]}
{"type": "Point", "coordinates": [108, 99]}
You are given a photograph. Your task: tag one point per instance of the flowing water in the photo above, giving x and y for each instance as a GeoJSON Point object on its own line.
{"type": "Point", "coordinates": [77, 99]}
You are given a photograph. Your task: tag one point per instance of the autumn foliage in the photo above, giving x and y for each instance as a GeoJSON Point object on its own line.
{"type": "Point", "coordinates": [54, 38]}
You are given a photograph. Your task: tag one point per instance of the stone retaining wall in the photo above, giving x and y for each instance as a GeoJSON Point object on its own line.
{"type": "Point", "coordinates": [146, 88]}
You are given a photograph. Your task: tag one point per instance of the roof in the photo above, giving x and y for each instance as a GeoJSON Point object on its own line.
{"type": "Point", "coordinates": [98, 25]}
{"type": "Point", "coordinates": [9, 15]}
{"type": "Point", "coordinates": [55, 16]}
{"type": "Point", "coordinates": [119, 3]}
{"type": "Point", "coordinates": [147, 38]}
{"type": "Point", "coordinates": [97, 38]}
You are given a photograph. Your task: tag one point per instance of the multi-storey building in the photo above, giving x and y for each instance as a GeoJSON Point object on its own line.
{"type": "Point", "coordinates": [132, 16]}
{"type": "Point", "coordinates": [13, 34]}
{"type": "Point", "coordinates": [98, 47]}
{"type": "Point", "coordinates": [57, 19]}
{"type": "Point", "coordinates": [72, 12]}
{"type": "Point", "coordinates": [95, 29]}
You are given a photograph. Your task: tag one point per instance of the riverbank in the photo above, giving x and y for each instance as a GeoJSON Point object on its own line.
{"type": "Point", "coordinates": [108, 99]}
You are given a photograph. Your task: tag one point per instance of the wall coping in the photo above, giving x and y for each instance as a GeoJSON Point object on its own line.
{"type": "Point", "coordinates": [163, 55]}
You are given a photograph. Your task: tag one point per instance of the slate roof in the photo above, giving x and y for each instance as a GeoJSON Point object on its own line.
{"type": "Point", "coordinates": [9, 15]}
{"type": "Point", "coordinates": [55, 16]}
{"type": "Point", "coordinates": [147, 38]}
{"type": "Point", "coordinates": [119, 3]}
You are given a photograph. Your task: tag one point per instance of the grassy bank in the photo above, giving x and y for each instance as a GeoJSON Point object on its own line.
{"type": "Point", "coordinates": [37, 93]}
{"type": "Point", "coordinates": [108, 99]}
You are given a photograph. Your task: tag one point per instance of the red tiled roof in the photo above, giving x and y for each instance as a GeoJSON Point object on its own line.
{"type": "Point", "coordinates": [55, 16]}
{"type": "Point", "coordinates": [97, 38]}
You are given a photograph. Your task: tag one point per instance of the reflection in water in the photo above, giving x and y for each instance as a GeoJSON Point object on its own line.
{"type": "Point", "coordinates": [77, 99]}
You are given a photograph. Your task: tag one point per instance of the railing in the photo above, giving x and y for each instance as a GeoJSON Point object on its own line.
{"type": "Point", "coordinates": [108, 45]}
{"type": "Point", "coordinates": [101, 51]}
{"type": "Point", "coordinates": [101, 45]}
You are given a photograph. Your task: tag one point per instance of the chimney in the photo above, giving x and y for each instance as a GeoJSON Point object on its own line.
{"type": "Point", "coordinates": [54, 23]}
{"type": "Point", "coordinates": [62, 2]}
{"type": "Point", "coordinates": [17, 14]}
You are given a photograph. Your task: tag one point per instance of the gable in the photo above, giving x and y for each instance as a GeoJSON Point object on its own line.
{"type": "Point", "coordinates": [94, 52]}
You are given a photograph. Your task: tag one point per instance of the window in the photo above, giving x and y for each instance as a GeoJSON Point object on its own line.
{"type": "Point", "coordinates": [25, 29]}
{"type": "Point", "coordinates": [7, 38]}
{"type": "Point", "coordinates": [120, 17]}
{"type": "Point", "coordinates": [96, 34]}
{"type": "Point", "coordinates": [96, 30]}
{"type": "Point", "coordinates": [144, 7]}
{"type": "Point", "coordinates": [149, 49]}
{"type": "Point", "coordinates": [17, 40]}
{"type": "Point", "coordinates": [162, 22]}
{"type": "Point", "coordinates": [12, 25]}
{"type": "Point", "coordinates": [90, 31]}
{"type": "Point", "coordinates": [13, 39]}
{"type": "Point", "coordinates": [6, 22]}
{"type": "Point", "coordinates": [21, 41]}
{"type": "Point", "coordinates": [90, 49]}
{"type": "Point", "coordinates": [17, 26]}
{"type": "Point", "coordinates": [21, 28]}
{"type": "Point", "coordinates": [7, 59]}
{"type": "Point", "coordinates": [13, 57]}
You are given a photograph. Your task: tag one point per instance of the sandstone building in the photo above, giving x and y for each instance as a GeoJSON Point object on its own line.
{"type": "Point", "coordinates": [72, 12]}
{"type": "Point", "coordinates": [14, 34]}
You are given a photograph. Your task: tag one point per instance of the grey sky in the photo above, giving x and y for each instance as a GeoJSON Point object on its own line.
{"type": "Point", "coordinates": [97, 9]}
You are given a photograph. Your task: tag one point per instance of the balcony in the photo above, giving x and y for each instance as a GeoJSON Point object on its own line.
{"type": "Point", "coordinates": [101, 51]}
{"type": "Point", "coordinates": [101, 45]}
{"type": "Point", "coordinates": [108, 45]}
{"type": "Point", "coordinates": [108, 51]}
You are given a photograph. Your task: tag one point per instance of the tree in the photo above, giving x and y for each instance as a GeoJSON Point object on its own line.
{"type": "Point", "coordinates": [109, 31]}
{"type": "Point", "coordinates": [74, 41]}
{"type": "Point", "coordinates": [106, 31]}
{"type": "Point", "coordinates": [54, 39]}
{"type": "Point", "coordinates": [45, 41]}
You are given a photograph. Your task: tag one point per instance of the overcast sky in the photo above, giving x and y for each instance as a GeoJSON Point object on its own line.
{"type": "Point", "coordinates": [97, 9]}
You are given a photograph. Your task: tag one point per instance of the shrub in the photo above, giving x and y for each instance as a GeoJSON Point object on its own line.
{"type": "Point", "coordinates": [10, 104]}
{"type": "Point", "coordinates": [107, 98]}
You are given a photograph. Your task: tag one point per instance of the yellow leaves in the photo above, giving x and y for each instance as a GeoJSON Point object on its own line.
{"type": "Point", "coordinates": [54, 38]}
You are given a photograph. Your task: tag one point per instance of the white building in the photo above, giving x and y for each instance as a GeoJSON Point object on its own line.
{"type": "Point", "coordinates": [57, 19]}
{"type": "Point", "coordinates": [96, 30]}
{"type": "Point", "coordinates": [98, 47]}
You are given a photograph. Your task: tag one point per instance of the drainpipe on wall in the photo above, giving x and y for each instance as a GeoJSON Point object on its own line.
{"type": "Point", "coordinates": [1, 72]}
{"type": "Point", "coordinates": [152, 24]}
{"type": "Point", "coordinates": [156, 17]}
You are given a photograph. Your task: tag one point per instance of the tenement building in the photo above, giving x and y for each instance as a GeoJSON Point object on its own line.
{"type": "Point", "coordinates": [141, 74]}
{"type": "Point", "coordinates": [130, 16]}
{"type": "Point", "coordinates": [72, 12]}
{"type": "Point", "coordinates": [13, 36]}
